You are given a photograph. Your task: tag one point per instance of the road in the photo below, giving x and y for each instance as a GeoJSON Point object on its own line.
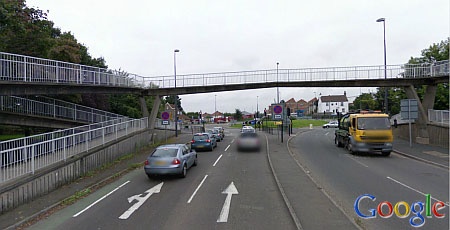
{"type": "Point", "coordinates": [395, 178]}
{"type": "Point", "coordinates": [258, 204]}
{"type": "Point", "coordinates": [230, 190]}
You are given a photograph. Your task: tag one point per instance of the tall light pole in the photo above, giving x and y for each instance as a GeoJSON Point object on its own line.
{"type": "Point", "coordinates": [257, 105]}
{"type": "Point", "coordinates": [176, 96]}
{"type": "Point", "coordinates": [278, 92]}
{"type": "Point", "coordinates": [215, 105]}
{"type": "Point", "coordinates": [385, 70]}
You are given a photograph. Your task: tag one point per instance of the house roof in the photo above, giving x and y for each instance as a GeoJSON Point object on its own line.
{"type": "Point", "coordinates": [292, 100]}
{"type": "Point", "coordinates": [301, 101]}
{"type": "Point", "coordinates": [334, 98]}
{"type": "Point", "coordinates": [171, 106]}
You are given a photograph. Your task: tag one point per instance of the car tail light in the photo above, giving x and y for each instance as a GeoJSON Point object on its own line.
{"type": "Point", "coordinates": [192, 141]}
{"type": "Point", "coordinates": [176, 161]}
{"type": "Point", "coordinates": [146, 162]}
{"type": "Point", "coordinates": [208, 140]}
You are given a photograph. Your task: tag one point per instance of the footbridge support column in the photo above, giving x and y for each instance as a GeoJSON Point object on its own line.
{"type": "Point", "coordinates": [154, 113]}
{"type": "Point", "coordinates": [424, 105]}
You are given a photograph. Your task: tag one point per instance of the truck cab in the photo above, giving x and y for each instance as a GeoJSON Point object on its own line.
{"type": "Point", "coordinates": [365, 132]}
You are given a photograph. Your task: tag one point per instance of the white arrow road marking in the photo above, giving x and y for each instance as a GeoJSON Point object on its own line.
{"type": "Point", "coordinates": [141, 200]}
{"type": "Point", "coordinates": [230, 190]}
{"type": "Point", "coordinates": [103, 197]}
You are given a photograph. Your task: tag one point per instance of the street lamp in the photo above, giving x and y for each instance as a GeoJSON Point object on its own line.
{"type": "Point", "coordinates": [215, 106]}
{"type": "Point", "coordinates": [385, 70]}
{"type": "Point", "coordinates": [257, 109]}
{"type": "Point", "coordinates": [278, 93]}
{"type": "Point", "coordinates": [176, 97]}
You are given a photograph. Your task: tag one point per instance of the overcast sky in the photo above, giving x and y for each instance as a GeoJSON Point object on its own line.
{"type": "Point", "coordinates": [139, 36]}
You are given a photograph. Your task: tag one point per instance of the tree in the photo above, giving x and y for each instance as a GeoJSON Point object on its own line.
{"type": "Point", "coordinates": [365, 101]}
{"type": "Point", "coordinates": [171, 100]}
{"type": "Point", "coordinates": [237, 115]}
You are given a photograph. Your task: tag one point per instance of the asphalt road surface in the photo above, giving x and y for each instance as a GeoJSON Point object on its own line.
{"type": "Point", "coordinates": [183, 203]}
{"type": "Point", "coordinates": [396, 178]}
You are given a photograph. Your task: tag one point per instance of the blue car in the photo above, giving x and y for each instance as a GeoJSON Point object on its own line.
{"type": "Point", "coordinates": [203, 141]}
{"type": "Point", "coordinates": [173, 159]}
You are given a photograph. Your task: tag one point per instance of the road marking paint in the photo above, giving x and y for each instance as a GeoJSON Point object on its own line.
{"type": "Point", "coordinates": [230, 191]}
{"type": "Point", "coordinates": [198, 187]}
{"type": "Point", "coordinates": [357, 161]}
{"type": "Point", "coordinates": [326, 134]}
{"type": "Point", "coordinates": [232, 141]}
{"type": "Point", "coordinates": [217, 160]}
{"type": "Point", "coordinates": [141, 200]}
{"type": "Point", "coordinates": [103, 197]}
{"type": "Point", "coordinates": [415, 190]}
{"type": "Point", "coordinates": [227, 148]}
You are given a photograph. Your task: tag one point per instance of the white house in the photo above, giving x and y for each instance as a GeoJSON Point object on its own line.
{"type": "Point", "coordinates": [332, 104]}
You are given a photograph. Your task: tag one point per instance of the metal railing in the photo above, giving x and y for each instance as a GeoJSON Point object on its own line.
{"type": "Point", "coordinates": [14, 67]}
{"type": "Point", "coordinates": [50, 107]}
{"type": "Point", "coordinates": [23, 156]}
{"type": "Point", "coordinates": [436, 69]}
{"type": "Point", "coordinates": [30, 69]}
{"type": "Point", "coordinates": [439, 116]}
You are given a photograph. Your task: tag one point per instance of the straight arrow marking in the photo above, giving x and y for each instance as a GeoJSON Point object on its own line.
{"type": "Point", "coordinates": [141, 200]}
{"type": "Point", "coordinates": [230, 191]}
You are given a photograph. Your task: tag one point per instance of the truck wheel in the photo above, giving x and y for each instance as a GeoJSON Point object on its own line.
{"type": "Point", "coordinates": [337, 142]}
{"type": "Point", "coordinates": [349, 147]}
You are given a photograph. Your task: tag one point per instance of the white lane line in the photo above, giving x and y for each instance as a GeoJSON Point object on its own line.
{"type": "Point", "coordinates": [217, 160]}
{"type": "Point", "coordinates": [198, 187]}
{"type": "Point", "coordinates": [103, 197]}
{"type": "Point", "coordinates": [232, 141]}
{"type": "Point", "coordinates": [326, 134]}
{"type": "Point", "coordinates": [227, 148]}
{"type": "Point", "coordinates": [415, 190]}
{"type": "Point", "coordinates": [357, 161]}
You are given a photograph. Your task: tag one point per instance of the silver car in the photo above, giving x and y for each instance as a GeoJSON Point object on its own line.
{"type": "Point", "coordinates": [248, 141]}
{"type": "Point", "coordinates": [331, 124]}
{"type": "Point", "coordinates": [173, 159]}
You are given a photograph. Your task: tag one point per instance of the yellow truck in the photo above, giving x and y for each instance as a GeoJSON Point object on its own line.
{"type": "Point", "coordinates": [365, 132]}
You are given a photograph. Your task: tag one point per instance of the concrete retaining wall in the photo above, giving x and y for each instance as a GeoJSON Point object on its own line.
{"type": "Point", "coordinates": [439, 135]}
{"type": "Point", "coordinates": [30, 187]}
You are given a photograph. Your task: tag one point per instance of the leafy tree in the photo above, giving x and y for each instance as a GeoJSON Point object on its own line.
{"type": "Point", "coordinates": [365, 101]}
{"type": "Point", "coordinates": [171, 100]}
{"type": "Point", "coordinates": [237, 115]}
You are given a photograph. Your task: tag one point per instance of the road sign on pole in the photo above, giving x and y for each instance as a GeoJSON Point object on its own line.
{"type": "Point", "coordinates": [165, 116]}
{"type": "Point", "coordinates": [409, 110]}
{"type": "Point", "coordinates": [277, 113]}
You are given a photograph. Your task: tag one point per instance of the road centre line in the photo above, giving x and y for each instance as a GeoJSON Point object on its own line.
{"type": "Point", "coordinates": [232, 141]}
{"type": "Point", "coordinates": [326, 134]}
{"type": "Point", "coordinates": [103, 197]}
{"type": "Point", "coordinates": [415, 190]}
{"type": "Point", "coordinates": [227, 148]}
{"type": "Point", "coordinates": [198, 187]}
{"type": "Point", "coordinates": [217, 160]}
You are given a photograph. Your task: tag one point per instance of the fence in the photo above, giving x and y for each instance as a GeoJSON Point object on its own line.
{"type": "Point", "coordinates": [26, 155]}
{"type": "Point", "coordinates": [49, 107]}
{"type": "Point", "coordinates": [439, 116]}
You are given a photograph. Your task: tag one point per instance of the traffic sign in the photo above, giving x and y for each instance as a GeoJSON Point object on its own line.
{"type": "Point", "coordinates": [165, 122]}
{"type": "Point", "coordinates": [409, 109]}
{"type": "Point", "coordinates": [277, 112]}
{"type": "Point", "coordinates": [165, 115]}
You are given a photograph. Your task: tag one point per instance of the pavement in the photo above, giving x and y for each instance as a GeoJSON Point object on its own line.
{"type": "Point", "coordinates": [286, 175]}
{"type": "Point", "coordinates": [427, 153]}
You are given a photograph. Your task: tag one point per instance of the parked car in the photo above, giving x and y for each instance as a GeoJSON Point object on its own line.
{"type": "Point", "coordinates": [201, 141]}
{"type": "Point", "coordinates": [331, 124]}
{"type": "Point", "coordinates": [170, 159]}
{"type": "Point", "coordinates": [248, 141]}
{"type": "Point", "coordinates": [215, 133]}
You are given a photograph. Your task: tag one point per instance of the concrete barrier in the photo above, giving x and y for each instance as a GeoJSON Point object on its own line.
{"type": "Point", "coordinates": [29, 187]}
{"type": "Point", "coordinates": [438, 134]}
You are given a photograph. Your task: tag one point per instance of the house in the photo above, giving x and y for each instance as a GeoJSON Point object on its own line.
{"type": "Point", "coordinates": [301, 106]}
{"type": "Point", "coordinates": [332, 104]}
{"type": "Point", "coordinates": [171, 109]}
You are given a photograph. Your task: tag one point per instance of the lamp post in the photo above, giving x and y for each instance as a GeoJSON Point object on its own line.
{"type": "Point", "coordinates": [176, 97]}
{"type": "Point", "coordinates": [385, 70]}
{"type": "Point", "coordinates": [215, 106]}
{"type": "Point", "coordinates": [257, 107]}
{"type": "Point", "coordinates": [278, 93]}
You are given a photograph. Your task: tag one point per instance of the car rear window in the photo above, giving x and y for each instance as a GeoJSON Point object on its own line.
{"type": "Point", "coordinates": [165, 152]}
{"type": "Point", "coordinates": [200, 137]}
{"type": "Point", "coordinates": [249, 134]}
